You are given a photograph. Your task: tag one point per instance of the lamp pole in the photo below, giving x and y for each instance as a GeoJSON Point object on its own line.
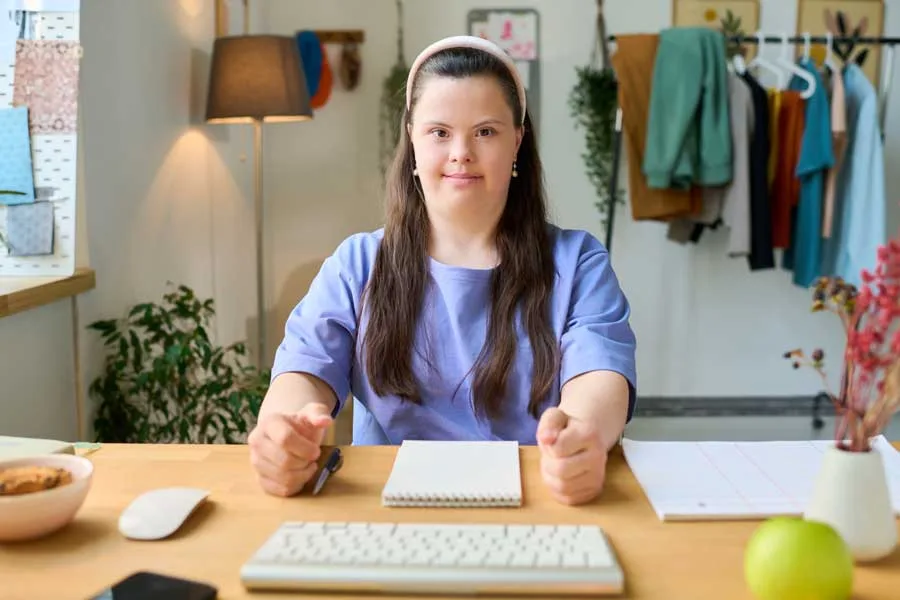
{"type": "Point", "coordinates": [255, 79]}
{"type": "Point", "coordinates": [260, 273]}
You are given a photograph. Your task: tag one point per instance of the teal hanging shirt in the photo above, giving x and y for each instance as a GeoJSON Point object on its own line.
{"type": "Point", "coordinates": [803, 255]}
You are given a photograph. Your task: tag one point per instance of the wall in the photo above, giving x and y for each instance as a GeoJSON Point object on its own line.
{"type": "Point", "coordinates": [166, 199]}
{"type": "Point", "coordinates": [163, 198]}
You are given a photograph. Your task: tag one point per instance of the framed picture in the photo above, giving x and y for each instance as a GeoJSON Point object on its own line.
{"type": "Point", "coordinates": [844, 18]}
{"type": "Point", "coordinates": [731, 17]}
{"type": "Point", "coordinates": [232, 17]}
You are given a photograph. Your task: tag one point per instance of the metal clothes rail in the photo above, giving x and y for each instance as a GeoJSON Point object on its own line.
{"type": "Point", "coordinates": [885, 83]}
{"type": "Point", "coordinates": [887, 70]}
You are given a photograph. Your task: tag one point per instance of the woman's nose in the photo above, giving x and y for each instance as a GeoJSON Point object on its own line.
{"type": "Point", "coordinates": [461, 152]}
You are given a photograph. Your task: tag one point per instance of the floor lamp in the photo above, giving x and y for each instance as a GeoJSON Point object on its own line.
{"type": "Point", "coordinates": [257, 79]}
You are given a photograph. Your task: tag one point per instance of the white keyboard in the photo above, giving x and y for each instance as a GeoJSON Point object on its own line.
{"type": "Point", "coordinates": [431, 558]}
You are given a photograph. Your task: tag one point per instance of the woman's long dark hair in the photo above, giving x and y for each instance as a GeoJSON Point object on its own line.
{"type": "Point", "coordinates": [522, 281]}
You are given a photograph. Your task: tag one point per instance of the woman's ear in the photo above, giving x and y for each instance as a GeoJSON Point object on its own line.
{"type": "Point", "coordinates": [520, 134]}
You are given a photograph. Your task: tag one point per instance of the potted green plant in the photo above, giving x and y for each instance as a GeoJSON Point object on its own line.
{"type": "Point", "coordinates": [851, 492]}
{"type": "Point", "coordinates": [165, 381]}
{"type": "Point", "coordinates": [593, 102]}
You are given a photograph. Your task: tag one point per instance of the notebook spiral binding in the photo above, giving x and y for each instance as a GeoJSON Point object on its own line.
{"type": "Point", "coordinates": [450, 500]}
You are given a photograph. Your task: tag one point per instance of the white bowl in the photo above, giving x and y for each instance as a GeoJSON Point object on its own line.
{"type": "Point", "coordinates": [36, 514]}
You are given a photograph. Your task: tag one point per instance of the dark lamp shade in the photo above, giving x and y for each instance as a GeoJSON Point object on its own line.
{"type": "Point", "coordinates": [257, 78]}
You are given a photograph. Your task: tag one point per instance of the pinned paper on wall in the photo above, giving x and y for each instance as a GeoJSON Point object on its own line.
{"type": "Point", "coordinates": [46, 81]}
{"type": "Point", "coordinates": [517, 32]}
{"type": "Point", "coordinates": [29, 229]}
{"type": "Point", "coordinates": [514, 32]}
{"type": "Point", "coordinates": [16, 169]}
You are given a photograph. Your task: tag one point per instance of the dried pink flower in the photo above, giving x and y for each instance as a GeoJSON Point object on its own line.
{"type": "Point", "coordinates": [870, 384]}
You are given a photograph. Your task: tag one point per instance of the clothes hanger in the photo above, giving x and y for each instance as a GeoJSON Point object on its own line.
{"type": "Point", "coordinates": [791, 66]}
{"type": "Point", "coordinates": [739, 64]}
{"type": "Point", "coordinates": [829, 59]}
{"type": "Point", "coordinates": [759, 61]}
{"type": "Point", "coordinates": [806, 44]}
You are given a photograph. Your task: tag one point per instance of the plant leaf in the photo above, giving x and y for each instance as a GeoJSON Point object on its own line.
{"type": "Point", "coordinates": [164, 381]}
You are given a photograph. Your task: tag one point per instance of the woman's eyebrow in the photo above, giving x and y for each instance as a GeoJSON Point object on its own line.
{"type": "Point", "coordinates": [488, 121]}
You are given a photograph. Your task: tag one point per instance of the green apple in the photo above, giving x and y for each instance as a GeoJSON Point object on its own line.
{"type": "Point", "coordinates": [789, 558]}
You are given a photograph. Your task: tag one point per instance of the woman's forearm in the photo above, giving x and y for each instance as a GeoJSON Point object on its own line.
{"type": "Point", "coordinates": [601, 399]}
{"type": "Point", "coordinates": [290, 392]}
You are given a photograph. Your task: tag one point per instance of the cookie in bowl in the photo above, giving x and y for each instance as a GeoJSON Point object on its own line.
{"type": "Point", "coordinates": [32, 478]}
{"type": "Point", "coordinates": [41, 494]}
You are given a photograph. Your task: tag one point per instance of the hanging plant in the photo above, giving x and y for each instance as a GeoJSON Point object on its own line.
{"type": "Point", "coordinates": [593, 102]}
{"type": "Point", "coordinates": [393, 99]}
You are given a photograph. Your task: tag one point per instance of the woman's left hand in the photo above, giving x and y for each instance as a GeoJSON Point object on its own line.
{"type": "Point", "coordinates": [573, 457]}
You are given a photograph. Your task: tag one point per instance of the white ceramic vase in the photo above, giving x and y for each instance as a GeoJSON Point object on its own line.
{"type": "Point", "coordinates": [851, 495]}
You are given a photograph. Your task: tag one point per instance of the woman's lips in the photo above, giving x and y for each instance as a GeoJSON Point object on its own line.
{"type": "Point", "coordinates": [462, 178]}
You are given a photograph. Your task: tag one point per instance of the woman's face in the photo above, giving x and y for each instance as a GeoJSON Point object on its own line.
{"type": "Point", "coordinates": [465, 142]}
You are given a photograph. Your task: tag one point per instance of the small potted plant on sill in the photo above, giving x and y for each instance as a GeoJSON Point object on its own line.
{"type": "Point", "coordinates": [851, 492]}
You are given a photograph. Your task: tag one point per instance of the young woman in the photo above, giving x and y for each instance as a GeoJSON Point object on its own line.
{"type": "Point", "coordinates": [468, 316]}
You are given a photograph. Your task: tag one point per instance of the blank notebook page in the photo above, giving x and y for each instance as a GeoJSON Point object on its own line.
{"type": "Point", "coordinates": [449, 473]}
{"type": "Point", "coordinates": [737, 480]}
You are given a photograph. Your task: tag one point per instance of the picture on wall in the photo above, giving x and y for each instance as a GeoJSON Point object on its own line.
{"type": "Point", "coordinates": [845, 18]}
{"type": "Point", "coordinates": [731, 17]}
{"type": "Point", "coordinates": [516, 31]}
{"type": "Point", "coordinates": [231, 17]}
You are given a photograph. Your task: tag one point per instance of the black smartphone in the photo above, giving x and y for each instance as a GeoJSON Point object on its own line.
{"type": "Point", "coordinates": [145, 585]}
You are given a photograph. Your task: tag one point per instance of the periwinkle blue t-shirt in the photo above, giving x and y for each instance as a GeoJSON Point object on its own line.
{"type": "Point", "coordinates": [589, 314]}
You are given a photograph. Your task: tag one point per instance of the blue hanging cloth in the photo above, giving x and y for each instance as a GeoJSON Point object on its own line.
{"type": "Point", "coordinates": [311, 56]}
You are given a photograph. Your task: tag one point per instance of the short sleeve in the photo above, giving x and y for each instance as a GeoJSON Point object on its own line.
{"type": "Point", "coordinates": [597, 334]}
{"type": "Point", "coordinates": [320, 333]}
{"type": "Point", "coordinates": [816, 151]}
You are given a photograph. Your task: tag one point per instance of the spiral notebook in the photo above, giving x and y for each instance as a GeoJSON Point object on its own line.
{"type": "Point", "coordinates": [455, 474]}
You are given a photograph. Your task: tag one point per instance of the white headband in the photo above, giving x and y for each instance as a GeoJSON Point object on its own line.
{"type": "Point", "coordinates": [466, 41]}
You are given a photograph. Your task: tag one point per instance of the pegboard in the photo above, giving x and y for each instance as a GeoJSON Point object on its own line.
{"type": "Point", "coordinates": [54, 155]}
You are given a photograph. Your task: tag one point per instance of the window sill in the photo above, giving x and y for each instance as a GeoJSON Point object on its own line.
{"type": "Point", "coordinates": [18, 294]}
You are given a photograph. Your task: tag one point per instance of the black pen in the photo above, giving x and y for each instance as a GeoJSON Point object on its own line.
{"type": "Point", "coordinates": [332, 465]}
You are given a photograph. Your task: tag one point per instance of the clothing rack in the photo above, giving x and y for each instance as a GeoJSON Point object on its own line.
{"type": "Point", "coordinates": [885, 81]}
{"type": "Point", "coordinates": [887, 70]}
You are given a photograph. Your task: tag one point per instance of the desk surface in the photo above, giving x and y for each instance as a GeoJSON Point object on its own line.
{"type": "Point", "coordinates": [661, 560]}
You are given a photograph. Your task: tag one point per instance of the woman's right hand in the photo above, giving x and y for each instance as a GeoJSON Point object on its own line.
{"type": "Point", "coordinates": [285, 448]}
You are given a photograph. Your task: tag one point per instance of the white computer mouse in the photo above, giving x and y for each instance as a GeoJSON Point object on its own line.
{"type": "Point", "coordinates": [157, 514]}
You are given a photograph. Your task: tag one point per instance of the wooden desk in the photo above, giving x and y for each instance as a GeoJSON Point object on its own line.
{"type": "Point", "coordinates": [667, 561]}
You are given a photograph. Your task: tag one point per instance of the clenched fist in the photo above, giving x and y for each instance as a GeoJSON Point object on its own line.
{"type": "Point", "coordinates": [573, 457]}
{"type": "Point", "coordinates": [284, 448]}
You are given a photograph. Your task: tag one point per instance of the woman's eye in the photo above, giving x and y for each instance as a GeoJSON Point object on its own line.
{"type": "Point", "coordinates": [485, 131]}
{"type": "Point", "coordinates": [439, 133]}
